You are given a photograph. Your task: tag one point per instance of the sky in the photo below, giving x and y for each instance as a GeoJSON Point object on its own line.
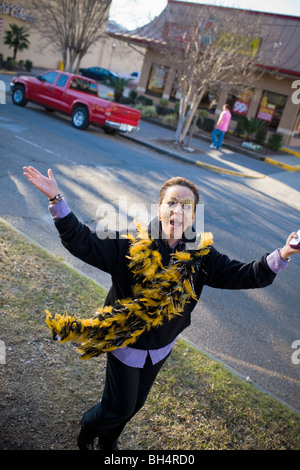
{"type": "Point", "coordinates": [135, 13]}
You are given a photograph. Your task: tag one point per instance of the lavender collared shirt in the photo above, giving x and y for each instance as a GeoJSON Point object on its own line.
{"type": "Point", "coordinates": [136, 357]}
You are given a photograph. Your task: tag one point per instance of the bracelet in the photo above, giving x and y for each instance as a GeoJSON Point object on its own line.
{"type": "Point", "coordinates": [55, 200]}
{"type": "Point", "coordinates": [286, 260]}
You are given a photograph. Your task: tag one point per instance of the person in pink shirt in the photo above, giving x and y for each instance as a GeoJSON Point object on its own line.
{"type": "Point", "coordinates": [221, 128]}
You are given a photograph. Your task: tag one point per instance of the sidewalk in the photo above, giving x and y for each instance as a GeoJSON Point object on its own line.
{"type": "Point", "coordinates": [252, 169]}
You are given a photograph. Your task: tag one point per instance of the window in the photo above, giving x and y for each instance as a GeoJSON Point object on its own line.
{"type": "Point", "coordinates": [271, 108]}
{"type": "Point", "coordinates": [62, 80]}
{"type": "Point", "coordinates": [49, 77]}
{"type": "Point", "coordinates": [80, 84]}
{"type": "Point", "coordinates": [239, 103]}
{"type": "Point", "coordinates": [210, 100]}
{"type": "Point", "coordinates": [157, 80]}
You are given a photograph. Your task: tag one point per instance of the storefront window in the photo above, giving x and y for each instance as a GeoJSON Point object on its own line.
{"type": "Point", "coordinates": [209, 101]}
{"type": "Point", "coordinates": [174, 95]}
{"type": "Point", "coordinates": [271, 108]}
{"type": "Point", "coordinates": [239, 103]}
{"type": "Point", "coordinates": [157, 80]}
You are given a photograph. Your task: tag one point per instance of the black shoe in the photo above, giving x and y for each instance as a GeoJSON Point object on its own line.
{"type": "Point", "coordinates": [85, 440]}
{"type": "Point", "coordinates": [107, 445]}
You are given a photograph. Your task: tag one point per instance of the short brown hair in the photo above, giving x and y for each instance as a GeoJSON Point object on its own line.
{"type": "Point", "coordinates": [179, 181]}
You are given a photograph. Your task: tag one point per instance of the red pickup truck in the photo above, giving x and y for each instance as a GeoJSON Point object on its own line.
{"type": "Point", "coordinates": [75, 96]}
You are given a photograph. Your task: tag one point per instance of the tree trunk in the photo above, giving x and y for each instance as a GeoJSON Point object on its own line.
{"type": "Point", "coordinates": [183, 104]}
{"type": "Point", "coordinates": [192, 128]}
{"type": "Point", "coordinates": [196, 101]}
{"type": "Point", "coordinates": [64, 58]}
{"type": "Point", "coordinates": [72, 59]}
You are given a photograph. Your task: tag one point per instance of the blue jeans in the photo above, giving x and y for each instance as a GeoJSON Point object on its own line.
{"type": "Point", "coordinates": [217, 137]}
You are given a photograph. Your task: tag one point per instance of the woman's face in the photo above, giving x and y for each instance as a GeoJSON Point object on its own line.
{"type": "Point", "coordinates": [176, 212]}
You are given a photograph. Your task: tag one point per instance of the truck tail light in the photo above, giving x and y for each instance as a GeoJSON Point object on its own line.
{"type": "Point", "coordinates": [107, 112]}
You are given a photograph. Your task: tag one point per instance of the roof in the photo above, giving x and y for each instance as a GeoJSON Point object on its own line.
{"type": "Point", "coordinates": [286, 29]}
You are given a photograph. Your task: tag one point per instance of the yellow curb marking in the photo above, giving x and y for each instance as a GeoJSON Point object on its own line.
{"type": "Point", "coordinates": [226, 172]}
{"type": "Point", "coordinates": [282, 165]}
{"type": "Point", "coordinates": [292, 152]}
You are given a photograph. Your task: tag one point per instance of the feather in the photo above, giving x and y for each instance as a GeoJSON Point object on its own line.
{"type": "Point", "coordinates": [159, 292]}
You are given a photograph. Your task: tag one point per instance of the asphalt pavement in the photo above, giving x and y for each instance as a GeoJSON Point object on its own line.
{"type": "Point", "coordinates": [277, 176]}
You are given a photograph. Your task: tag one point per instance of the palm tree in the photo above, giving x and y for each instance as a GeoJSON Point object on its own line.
{"type": "Point", "coordinates": [119, 85]}
{"type": "Point", "coordinates": [250, 126]}
{"type": "Point", "coordinates": [17, 38]}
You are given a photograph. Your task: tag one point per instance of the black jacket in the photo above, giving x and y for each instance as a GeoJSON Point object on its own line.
{"type": "Point", "coordinates": [109, 255]}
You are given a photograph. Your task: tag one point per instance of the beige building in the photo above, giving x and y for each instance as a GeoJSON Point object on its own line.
{"type": "Point", "coordinates": [107, 53]}
{"type": "Point", "coordinates": [274, 98]}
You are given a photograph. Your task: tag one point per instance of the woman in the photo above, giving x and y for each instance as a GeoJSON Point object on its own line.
{"type": "Point", "coordinates": [156, 283]}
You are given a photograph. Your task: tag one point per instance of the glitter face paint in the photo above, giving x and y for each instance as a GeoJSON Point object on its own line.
{"type": "Point", "coordinates": [176, 212]}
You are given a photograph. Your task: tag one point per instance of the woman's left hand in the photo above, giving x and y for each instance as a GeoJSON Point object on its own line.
{"type": "Point", "coordinates": [287, 250]}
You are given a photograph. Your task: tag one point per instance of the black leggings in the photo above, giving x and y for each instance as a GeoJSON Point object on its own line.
{"type": "Point", "coordinates": [124, 394]}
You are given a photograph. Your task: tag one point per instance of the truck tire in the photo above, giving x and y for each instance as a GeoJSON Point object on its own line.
{"type": "Point", "coordinates": [19, 96]}
{"type": "Point", "coordinates": [80, 117]}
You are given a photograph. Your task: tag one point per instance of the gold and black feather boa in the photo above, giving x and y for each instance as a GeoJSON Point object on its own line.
{"type": "Point", "coordinates": [159, 292]}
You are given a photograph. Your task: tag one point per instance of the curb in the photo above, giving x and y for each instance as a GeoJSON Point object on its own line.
{"type": "Point", "coordinates": [269, 160]}
{"type": "Point", "coordinates": [206, 166]}
{"type": "Point", "coordinates": [226, 172]}
{"type": "Point", "coordinates": [239, 374]}
{"type": "Point", "coordinates": [7, 72]}
{"type": "Point", "coordinates": [290, 151]}
{"type": "Point", "coordinates": [241, 150]}
{"type": "Point", "coordinates": [285, 166]}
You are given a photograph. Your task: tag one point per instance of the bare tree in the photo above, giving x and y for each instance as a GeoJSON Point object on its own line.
{"type": "Point", "coordinates": [209, 48]}
{"type": "Point", "coordinates": [71, 26]}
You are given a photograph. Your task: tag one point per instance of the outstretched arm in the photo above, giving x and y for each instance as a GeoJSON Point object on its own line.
{"type": "Point", "coordinates": [47, 185]}
{"type": "Point", "coordinates": [232, 274]}
{"type": "Point", "coordinates": [75, 236]}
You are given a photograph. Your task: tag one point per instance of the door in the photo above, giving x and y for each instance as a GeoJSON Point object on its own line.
{"type": "Point", "coordinates": [42, 91]}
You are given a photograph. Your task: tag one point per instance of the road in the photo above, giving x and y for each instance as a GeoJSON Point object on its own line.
{"type": "Point", "coordinates": [250, 331]}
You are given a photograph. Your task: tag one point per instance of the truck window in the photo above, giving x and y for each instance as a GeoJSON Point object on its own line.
{"type": "Point", "coordinates": [62, 80]}
{"type": "Point", "coordinates": [49, 77]}
{"type": "Point", "coordinates": [80, 84]}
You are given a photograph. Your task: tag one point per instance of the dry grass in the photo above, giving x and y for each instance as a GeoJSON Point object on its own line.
{"type": "Point", "coordinates": [195, 403]}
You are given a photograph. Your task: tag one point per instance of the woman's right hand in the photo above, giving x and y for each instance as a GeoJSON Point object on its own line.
{"type": "Point", "coordinates": [47, 185]}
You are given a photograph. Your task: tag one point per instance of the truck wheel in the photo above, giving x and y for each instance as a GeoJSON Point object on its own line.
{"type": "Point", "coordinates": [80, 118]}
{"type": "Point", "coordinates": [18, 96]}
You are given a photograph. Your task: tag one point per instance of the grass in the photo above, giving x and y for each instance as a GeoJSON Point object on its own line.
{"type": "Point", "coordinates": [195, 402]}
